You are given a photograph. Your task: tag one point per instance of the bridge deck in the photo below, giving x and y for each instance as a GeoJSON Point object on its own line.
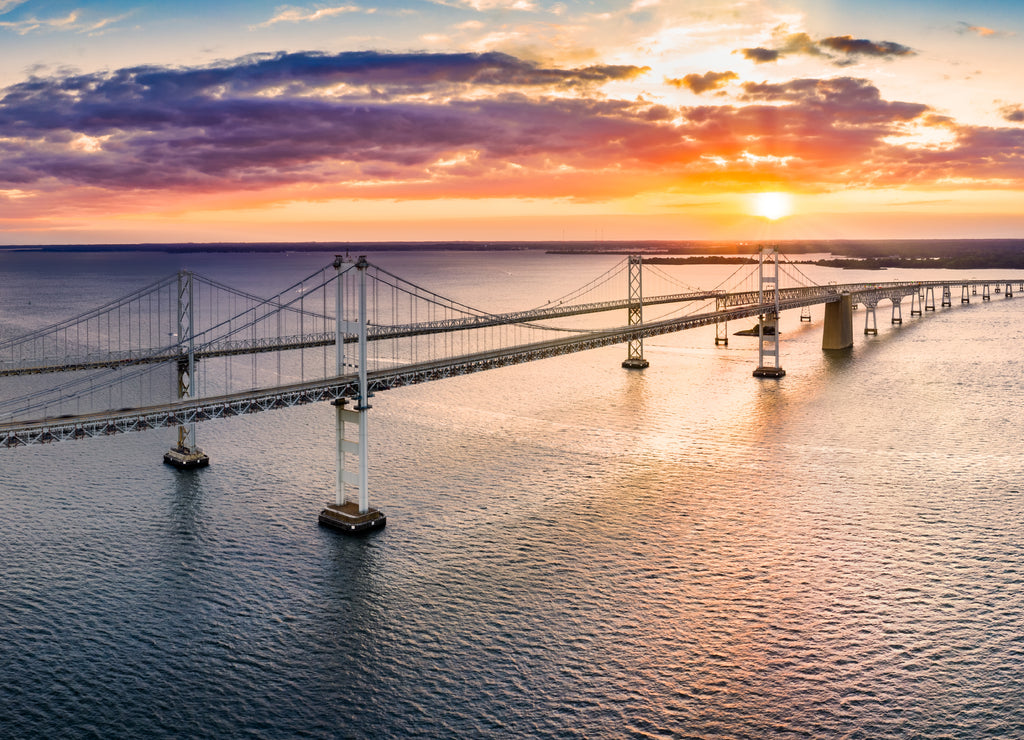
{"type": "Point", "coordinates": [738, 306]}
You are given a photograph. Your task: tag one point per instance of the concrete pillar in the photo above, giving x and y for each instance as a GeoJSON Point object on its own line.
{"type": "Point", "coordinates": [915, 302]}
{"type": "Point", "coordinates": [838, 330]}
{"type": "Point", "coordinates": [870, 325]}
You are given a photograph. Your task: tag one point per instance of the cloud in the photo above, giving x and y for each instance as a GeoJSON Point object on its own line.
{"type": "Point", "coordinates": [965, 28]}
{"type": "Point", "coordinates": [702, 83]}
{"type": "Point", "coordinates": [846, 47]}
{"type": "Point", "coordinates": [6, 5]}
{"type": "Point", "coordinates": [289, 14]}
{"type": "Point", "coordinates": [72, 22]}
{"type": "Point", "coordinates": [484, 5]}
{"type": "Point", "coordinates": [853, 47]}
{"type": "Point", "coordinates": [760, 55]}
{"type": "Point", "coordinates": [418, 125]}
{"type": "Point", "coordinates": [265, 120]}
{"type": "Point", "coordinates": [1013, 113]}
{"type": "Point", "coordinates": [800, 43]}
{"type": "Point", "coordinates": [846, 99]}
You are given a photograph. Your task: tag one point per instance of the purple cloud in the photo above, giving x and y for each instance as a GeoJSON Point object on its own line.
{"type": "Point", "coordinates": [847, 46]}
{"type": "Point", "coordinates": [852, 47]}
{"type": "Point", "coordinates": [760, 55]}
{"type": "Point", "coordinates": [1013, 113]}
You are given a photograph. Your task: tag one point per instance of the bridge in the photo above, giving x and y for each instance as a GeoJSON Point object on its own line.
{"type": "Point", "coordinates": [353, 329]}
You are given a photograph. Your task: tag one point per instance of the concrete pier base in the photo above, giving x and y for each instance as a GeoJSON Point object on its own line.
{"type": "Point", "coordinates": [185, 459]}
{"type": "Point", "coordinates": [838, 330]}
{"type": "Point", "coordinates": [345, 518]}
{"type": "Point", "coordinates": [635, 363]}
{"type": "Point", "coordinates": [769, 372]}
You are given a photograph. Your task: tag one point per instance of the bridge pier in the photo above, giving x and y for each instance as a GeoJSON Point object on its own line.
{"type": "Point", "coordinates": [964, 297]}
{"type": "Point", "coordinates": [915, 300]}
{"type": "Point", "coordinates": [985, 295]}
{"type": "Point", "coordinates": [838, 328]}
{"type": "Point", "coordinates": [185, 455]}
{"type": "Point", "coordinates": [897, 310]}
{"type": "Point", "coordinates": [929, 298]}
{"type": "Point", "coordinates": [1009, 290]}
{"type": "Point", "coordinates": [870, 325]}
{"type": "Point", "coordinates": [344, 515]}
{"type": "Point", "coordinates": [947, 297]}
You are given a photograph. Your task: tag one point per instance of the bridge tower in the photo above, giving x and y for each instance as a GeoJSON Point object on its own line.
{"type": "Point", "coordinates": [768, 365]}
{"type": "Point", "coordinates": [185, 454]}
{"type": "Point", "coordinates": [635, 349]}
{"type": "Point", "coordinates": [345, 515]}
{"type": "Point", "coordinates": [721, 327]}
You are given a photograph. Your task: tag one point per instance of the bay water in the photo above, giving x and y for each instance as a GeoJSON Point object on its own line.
{"type": "Point", "coordinates": [573, 549]}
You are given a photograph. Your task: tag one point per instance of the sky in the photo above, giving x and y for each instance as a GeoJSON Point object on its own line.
{"type": "Point", "coordinates": [499, 120]}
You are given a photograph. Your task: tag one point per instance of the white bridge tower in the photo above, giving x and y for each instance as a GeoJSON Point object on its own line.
{"type": "Point", "coordinates": [351, 515]}
{"type": "Point", "coordinates": [768, 322]}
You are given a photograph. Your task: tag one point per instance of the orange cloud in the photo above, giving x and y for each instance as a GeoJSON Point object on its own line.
{"type": "Point", "coordinates": [702, 83]}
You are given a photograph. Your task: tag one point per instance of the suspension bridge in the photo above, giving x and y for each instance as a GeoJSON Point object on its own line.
{"type": "Point", "coordinates": [353, 329]}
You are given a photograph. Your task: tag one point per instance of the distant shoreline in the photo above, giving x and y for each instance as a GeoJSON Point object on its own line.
{"type": "Point", "coordinates": [876, 254]}
{"type": "Point", "coordinates": [974, 261]}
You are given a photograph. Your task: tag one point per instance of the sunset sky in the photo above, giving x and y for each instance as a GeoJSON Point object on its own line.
{"type": "Point", "coordinates": [242, 120]}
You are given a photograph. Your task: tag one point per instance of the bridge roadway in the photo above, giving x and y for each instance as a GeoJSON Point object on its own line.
{"type": "Point", "coordinates": [865, 292]}
{"type": "Point", "coordinates": [43, 431]}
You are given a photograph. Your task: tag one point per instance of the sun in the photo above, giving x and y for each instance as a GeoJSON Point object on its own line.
{"type": "Point", "coordinates": [773, 206]}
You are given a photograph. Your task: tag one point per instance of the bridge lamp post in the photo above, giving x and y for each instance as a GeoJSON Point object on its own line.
{"type": "Point", "coordinates": [351, 517]}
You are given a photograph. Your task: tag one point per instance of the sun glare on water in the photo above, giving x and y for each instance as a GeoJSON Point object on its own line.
{"type": "Point", "coordinates": [773, 206]}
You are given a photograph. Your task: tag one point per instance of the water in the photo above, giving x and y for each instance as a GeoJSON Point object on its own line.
{"type": "Point", "coordinates": [572, 549]}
